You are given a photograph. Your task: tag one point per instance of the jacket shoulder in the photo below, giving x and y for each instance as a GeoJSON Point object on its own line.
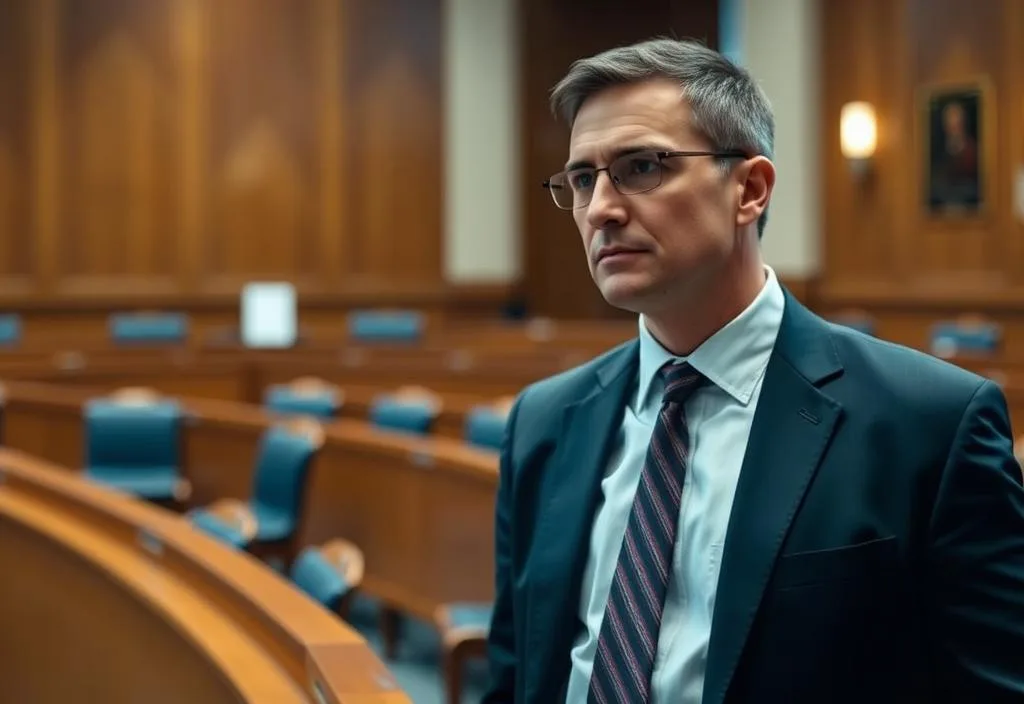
{"type": "Point", "coordinates": [573, 383]}
{"type": "Point", "coordinates": [904, 371]}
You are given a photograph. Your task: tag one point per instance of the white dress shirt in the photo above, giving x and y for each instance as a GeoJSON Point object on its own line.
{"type": "Point", "coordinates": [719, 416]}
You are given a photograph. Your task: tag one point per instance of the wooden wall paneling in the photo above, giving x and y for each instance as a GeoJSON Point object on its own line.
{"type": "Point", "coordinates": [161, 154]}
{"type": "Point", "coordinates": [956, 43]}
{"type": "Point", "coordinates": [45, 156]}
{"type": "Point", "coordinates": [261, 211]}
{"type": "Point", "coordinates": [192, 91]}
{"type": "Point", "coordinates": [393, 153]}
{"type": "Point", "coordinates": [115, 80]}
{"type": "Point", "coordinates": [332, 126]}
{"type": "Point", "coordinates": [859, 39]}
{"type": "Point", "coordinates": [1012, 130]}
{"type": "Point", "coordinates": [554, 33]}
{"type": "Point", "coordinates": [16, 256]}
{"type": "Point", "coordinates": [884, 251]}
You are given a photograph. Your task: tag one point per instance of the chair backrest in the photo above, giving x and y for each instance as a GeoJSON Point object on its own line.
{"type": "Point", "coordinates": [485, 425]}
{"type": "Point", "coordinates": [304, 396]}
{"type": "Point", "coordinates": [316, 576]}
{"type": "Point", "coordinates": [148, 328]}
{"type": "Point", "coordinates": [133, 429]}
{"type": "Point", "coordinates": [10, 330]}
{"type": "Point", "coordinates": [282, 463]}
{"type": "Point", "coordinates": [403, 326]}
{"type": "Point", "coordinates": [410, 409]}
{"type": "Point", "coordinates": [965, 335]}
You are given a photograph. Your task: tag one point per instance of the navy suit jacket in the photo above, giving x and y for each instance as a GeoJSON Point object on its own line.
{"type": "Point", "coordinates": [875, 551]}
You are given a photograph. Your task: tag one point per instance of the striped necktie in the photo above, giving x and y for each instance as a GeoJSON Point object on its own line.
{"type": "Point", "coordinates": [628, 641]}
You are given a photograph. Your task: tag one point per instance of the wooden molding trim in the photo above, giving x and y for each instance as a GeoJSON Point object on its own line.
{"type": "Point", "coordinates": [459, 298]}
{"type": "Point", "coordinates": [934, 296]}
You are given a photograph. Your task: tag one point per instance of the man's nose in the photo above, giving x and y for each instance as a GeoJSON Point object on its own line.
{"type": "Point", "coordinates": [607, 205]}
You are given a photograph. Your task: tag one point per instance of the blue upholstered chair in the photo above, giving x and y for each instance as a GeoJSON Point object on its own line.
{"type": "Point", "coordinates": [464, 629]}
{"type": "Point", "coordinates": [133, 443]}
{"type": "Point", "coordinates": [410, 409]}
{"type": "Point", "coordinates": [485, 425]}
{"type": "Point", "coordinates": [967, 335]}
{"type": "Point", "coordinates": [304, 396]}
{"type": "Point", "coordinates": [402, 326]}
{"type": "Point", "coordinates": [271, 514]}
{"type": "Point", "coordinates": [222, 528]}
{"type": "Point", "coordinates": [329, 573]}
{"type": "Point", "coordinates": [10, 330]}
{"type": "Point", "coordinates": [148, 328]}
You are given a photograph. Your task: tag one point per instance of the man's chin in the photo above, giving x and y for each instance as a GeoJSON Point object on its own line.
{"type": "Point", "coordinates": [625, 293]}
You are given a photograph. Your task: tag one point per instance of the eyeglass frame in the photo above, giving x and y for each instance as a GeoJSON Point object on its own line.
{"type": "Point", "coordinates": [662, 155]}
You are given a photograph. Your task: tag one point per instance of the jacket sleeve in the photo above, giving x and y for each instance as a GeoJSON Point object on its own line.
{"type": "Point", "coordinates": [501, 646]}
{"type": "Point", "coordinates": [976, 560]}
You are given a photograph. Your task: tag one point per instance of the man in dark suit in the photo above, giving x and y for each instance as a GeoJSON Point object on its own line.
{"type": "Point", "coordinates": [746, 503]}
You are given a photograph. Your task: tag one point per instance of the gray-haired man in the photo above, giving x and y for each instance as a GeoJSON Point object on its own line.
{"type": "Point", "coordinates": [746, 503]}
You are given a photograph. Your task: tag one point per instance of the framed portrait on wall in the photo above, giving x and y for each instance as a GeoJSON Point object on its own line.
{"type": "Point", "coordinates": [958, 131]}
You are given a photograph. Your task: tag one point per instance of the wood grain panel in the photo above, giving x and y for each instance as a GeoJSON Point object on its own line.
{"type": "Point", "coordinates": [554, 33]}
{"type": "Point", "coordinates": [16, 259]}
{"type": "Point", "coordinates": [956, 43]}
{"type": "Point", "coordinates": [132, 652]}
{"type": "Point", "coordinates": [883, 249]}
{"type": "Point", "coordinates": [262, 142]}
{"type": "Point", "coordinates": [861, 208]}
{"type": "Point", "coordinates": [115, 81]}
{"type": "Point", "coordinates": [161, 154]}
{"type": "Point", "coordinates": [392, 79]}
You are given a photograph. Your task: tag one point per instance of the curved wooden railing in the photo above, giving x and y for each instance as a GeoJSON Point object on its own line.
{"type": "Point", "coordinates": [105, 598]}
{"type": "Point", "coordinates": [420, 508]}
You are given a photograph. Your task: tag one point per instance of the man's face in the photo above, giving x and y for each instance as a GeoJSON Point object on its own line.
{"type": "Point", "coordinates": [645, 250]}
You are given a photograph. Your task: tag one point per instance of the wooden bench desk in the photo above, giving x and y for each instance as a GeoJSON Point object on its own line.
{"type": "Point", "coordinates": [240, 375]}
{"type": "Point", "coordinates": [108, 599]}
{"type": "Point", "coordinates": [420, 508]}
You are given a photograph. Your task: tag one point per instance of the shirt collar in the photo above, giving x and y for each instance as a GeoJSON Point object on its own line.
{"type": "Point", "coordinates": [733, 359]}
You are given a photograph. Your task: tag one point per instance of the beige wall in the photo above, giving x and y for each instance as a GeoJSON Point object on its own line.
{"type": "Point", "coordinates": [779, 46]}
{"type": "Point", "coordinates": [481, 142]}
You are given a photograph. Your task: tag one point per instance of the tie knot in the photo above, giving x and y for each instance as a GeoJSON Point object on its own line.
{"type": "Point", "coordinates": [681, 380]}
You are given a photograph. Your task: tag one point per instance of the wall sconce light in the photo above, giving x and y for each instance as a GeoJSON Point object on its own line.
{"type": "Point", "coordinates": [858, 135]}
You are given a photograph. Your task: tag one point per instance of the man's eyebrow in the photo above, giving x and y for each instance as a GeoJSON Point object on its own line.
{"type": "Point", "coordinates": [585, 164]}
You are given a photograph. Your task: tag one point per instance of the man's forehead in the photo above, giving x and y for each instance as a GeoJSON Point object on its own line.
{"type": "Point", "coordinates": [638, 112]}
{"type": "Point", "coordinates": [596, 147]}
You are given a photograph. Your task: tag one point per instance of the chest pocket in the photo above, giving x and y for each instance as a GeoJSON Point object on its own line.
{"type": "Point", "coordinates": [860, 561]}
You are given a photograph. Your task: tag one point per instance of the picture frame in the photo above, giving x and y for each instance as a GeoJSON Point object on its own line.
{"type": "Point", "coordinates": [958, 128]}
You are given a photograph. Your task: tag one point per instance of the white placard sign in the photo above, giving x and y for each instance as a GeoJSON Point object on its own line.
{"type": "Point", "coordinates": [269, 315]}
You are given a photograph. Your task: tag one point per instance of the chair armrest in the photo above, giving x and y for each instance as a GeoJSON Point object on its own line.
{"type": "Point", "coordinates": [182, 490]}
{"type": "Point", "coordinates": [346, 558]}
{"type": "Point", "coordinates": [463, 625]}
{"type": "Point", "coordinates": [237, 514]}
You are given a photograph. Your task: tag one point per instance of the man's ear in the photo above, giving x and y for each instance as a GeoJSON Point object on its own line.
{"type": "Point", "coordinates": [757, 179]}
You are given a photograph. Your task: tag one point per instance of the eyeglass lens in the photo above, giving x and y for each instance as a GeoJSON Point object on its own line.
{"type": "Point", "coordinates": [630, 174]}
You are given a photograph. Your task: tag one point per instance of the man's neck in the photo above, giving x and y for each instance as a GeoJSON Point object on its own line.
{"type": "Point", "coordinates": [684, 327]}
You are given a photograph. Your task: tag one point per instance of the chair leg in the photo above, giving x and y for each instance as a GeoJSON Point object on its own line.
{"type": "Point", "coordinates": [452, 664]}
{"type": "Point", "coordinates": [344, 608]}
{"type": "Point", "coordinates": [389, 627]}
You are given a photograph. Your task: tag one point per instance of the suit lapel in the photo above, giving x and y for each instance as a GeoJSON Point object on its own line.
{"type": "Point", "coordinates": [792, 427]}
{"type": "Point", "coordinates": [570, 487]}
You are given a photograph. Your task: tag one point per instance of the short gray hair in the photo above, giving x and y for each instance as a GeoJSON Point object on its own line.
{"type": "Point", "coordinates": [727, 105]}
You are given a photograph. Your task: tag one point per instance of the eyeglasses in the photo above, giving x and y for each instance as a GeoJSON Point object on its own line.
{"type": "Point", "coordinates": [630, 174]}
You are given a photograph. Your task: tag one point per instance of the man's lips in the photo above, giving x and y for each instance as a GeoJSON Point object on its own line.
{"type": "Point", "coordinates": [606, 252]}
